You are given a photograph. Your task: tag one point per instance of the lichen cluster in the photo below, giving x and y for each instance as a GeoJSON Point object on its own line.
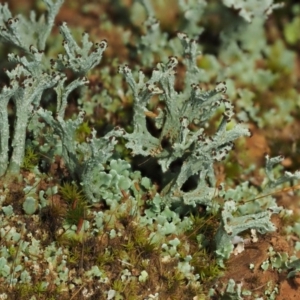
{"type": "Point", "coordinates": [95, 204]}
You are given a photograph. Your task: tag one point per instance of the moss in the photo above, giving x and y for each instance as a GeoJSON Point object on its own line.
{"type": "Point", "coordinates": [82, 132]}
{"type": "Point", "coordinates": [77, 205]}
{"type": "Point", "coordinates": [31, 159]}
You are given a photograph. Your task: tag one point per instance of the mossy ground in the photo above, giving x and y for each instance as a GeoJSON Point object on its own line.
{"type": "Point", "coordinates": [131, 249]}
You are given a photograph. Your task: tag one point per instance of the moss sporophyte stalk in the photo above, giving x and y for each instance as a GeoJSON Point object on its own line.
{"type": "Point", "coordinates": [120, 160]}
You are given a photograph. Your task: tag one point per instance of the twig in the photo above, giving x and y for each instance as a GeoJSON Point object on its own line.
{"type": "Point", "coordinates": [77, 292]}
